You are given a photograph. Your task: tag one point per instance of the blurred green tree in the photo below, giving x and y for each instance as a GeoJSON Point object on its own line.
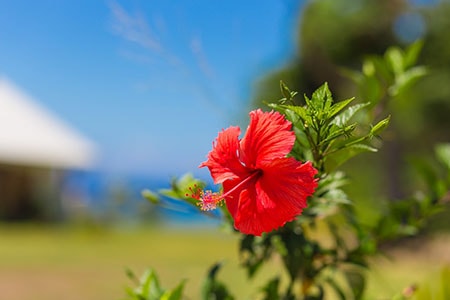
{"type": "Point", "coordinates": [338, 35]}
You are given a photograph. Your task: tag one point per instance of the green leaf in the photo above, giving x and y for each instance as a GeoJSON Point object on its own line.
{"type": "Point", "coordinates": [149, 285]}
{"type": "Point", "coordinates": [338, 196]}
{"type": "Point", "coordinates": [372, 90]}
{"type": "Point", "coordinates": [336, 288]}
{"type": "Point", "coordinates": [149, 288]}
{"type": "Point", "coordinates": [383, 69]}
{"type": "Point", "coordinates": [337, 107]}
{"type": "Point", "coordinates": [443, 154]}
{"type": "Point", "coordinates": [254, 251]}
{"type": "Point", "coordinates": [345, 116]}
{"type": "Point", "coordinates": [337, 158]}
{"type": "Point", "coordinates": [406, 79]}
{"type": "Point", "coordinates": [412, 53]}
{"type": "Point", "coordinates": [181, 188]}
{"type": "Point", "coordinates": [353, 75]}
{"type": "Point", "coordinates": [357, 283]}
{"type": "Point", "coordinates": [212, 288]}
{"type": "Point", "coordinates": [380, 126]}
{"type": "Point", "coordinates": [151, 196]}
{"type": "Point", "coordinates": [338, 132]}
{"type": "Point", "coordinates": [332, 181]}
{"type": "Point", "coordinates": [300, 111]}
{"type": "Point", "coordinates": [322, 98]}
{"type": "Point", "coordinates": [368, 68]}
{"type": "Point", "coordinates": [394, 57]}
{"type": "Point", "coordinates": [130, 292]}
{"type": "Point", "coordinates": [174, 294]}
{"type": "Point", "coordinates": [271, 289]}
{"type": "Point", "coordinates": [286, 92]}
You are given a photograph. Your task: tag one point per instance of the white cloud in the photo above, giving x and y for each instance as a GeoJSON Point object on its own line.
{"type": "Point", "coordinates": [134, 28]}
{"type": "Point", "coordinates": [199, 54]}
{"type": "Point", "coordinates": [152, 36]}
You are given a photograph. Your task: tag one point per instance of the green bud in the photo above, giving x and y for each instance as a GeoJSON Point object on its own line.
{"type": "Point", "coordinates": [368, 68]}
{"type": "Point", "coordinates": [150, 196]}
{"type": "Point", "coordinates": [380, 126]}
{"type": "Point", "coordinates": [285, 91]}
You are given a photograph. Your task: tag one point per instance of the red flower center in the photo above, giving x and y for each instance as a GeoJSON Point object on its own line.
{"type": "Point", "coordinates": [209, 200]}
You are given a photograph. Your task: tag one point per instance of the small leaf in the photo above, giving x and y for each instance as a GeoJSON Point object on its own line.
{"type": "Point", "coordinates": [271, 289]}
{"type": "Point", "coordinates": [331, 181]}
{"type": "Point", "coordinates": [368, 68]}
{"type": "Point", "coordinates": [180, 189]}
{"type": "Point", "coordinates": [443, 154]}
{"type": "Point", "coordinates": [345, 116]}
{"type": "Point", "coordinates": [286, 92]}
{"type": "Point", "coordinates": [337, 158]}
{"type": "Point", "coordinates": [380, 126]}
{"type": "Point", "coordinates": [382, 68]}
{"type": "Point", "coordinates": [356, 282]}
{"type": "Point", "coordinates": [174, 294]}
{"type": "Point", "coordinates": [212, 288]}
{"type": "Point", "coordinates": [300, 111]}
{"type": "Point", "coordinates": [338, 196]}
{"type": "Point", "coordinates": [412, 53]}
{"type": "Point", "coordinates": [335, 133]}
{"type": "Point", "coordinates": [372, 90]}
{"type": "Point", "coordinates": [355, 76]}
{"type": "Point", "coordinates": [336, 288]}
{"type": "Point", "coordinates": [406, 79]}
{"type": "Point", "coordinates": [148, 286]}
{"type": "Point", "coordinates": [394, 57]}
{"type": "Point", "coordinates": [321, 98]}
{"type": "Point", "coordinates": [337, 107]}
{"type": "Point", "coordinates": [151, 196]}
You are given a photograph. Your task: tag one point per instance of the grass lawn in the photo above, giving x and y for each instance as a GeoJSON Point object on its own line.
{"type": "Point", "coordinates": [38, 262]}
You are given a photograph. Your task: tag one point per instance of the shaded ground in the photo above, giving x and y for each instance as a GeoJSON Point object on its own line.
{"type": "Point", "coordinates": [417, 262]}
{"type": "Point", "coordinates": [56, 263]}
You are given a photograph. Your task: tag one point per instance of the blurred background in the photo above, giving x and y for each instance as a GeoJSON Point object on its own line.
{"type": "Point", "coordinates": [144, 87]}
{"type": "Point", "coordinates": [102, 99]}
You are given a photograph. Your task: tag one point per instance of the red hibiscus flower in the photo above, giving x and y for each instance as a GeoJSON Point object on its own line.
{"type": "Point", "coordinates": [262, 187]}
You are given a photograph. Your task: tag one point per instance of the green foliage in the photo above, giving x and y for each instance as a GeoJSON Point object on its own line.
{"type": "Point", "coordinates": [324, 132]}
{"type": "Point", "coordinates": [384, 77]}
{"type": "Point", "coordinates": [180, 190]}
{"type": "Point", "coordinates": [405, 217]}
{"type": "Point", "coordinates": [326, 135]}
{"type": "Point", "coordinates": [271, 289]}
{"type": "Point", "coordinates": [148, 288]}
{"type": "Point", "coordinates": [212, 288]}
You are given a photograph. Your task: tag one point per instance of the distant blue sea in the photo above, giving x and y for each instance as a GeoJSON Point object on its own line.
{"type": "Point", "coordinates": [106, 194]}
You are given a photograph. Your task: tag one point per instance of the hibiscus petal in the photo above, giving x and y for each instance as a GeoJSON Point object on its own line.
{"type": "Point", "coordinates": [252, 218]}
{"type": "Point", "coordinates": [277, 198]}
{"type": "Point", "coordinates": [247, 218]}
{"type": "Point", "coordinates": [223, 161]}
{"type": "Point", "coordinates": [268, 136]}
{"type": "Point", "coordinates": [288, 182]}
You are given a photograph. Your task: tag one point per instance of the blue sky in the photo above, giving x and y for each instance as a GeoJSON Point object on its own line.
{"type": "Point", "coordinates": [150, 82]}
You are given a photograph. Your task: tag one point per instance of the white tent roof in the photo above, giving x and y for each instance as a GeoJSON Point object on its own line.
{"type": "Point", "coordinates": [30, 135]}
